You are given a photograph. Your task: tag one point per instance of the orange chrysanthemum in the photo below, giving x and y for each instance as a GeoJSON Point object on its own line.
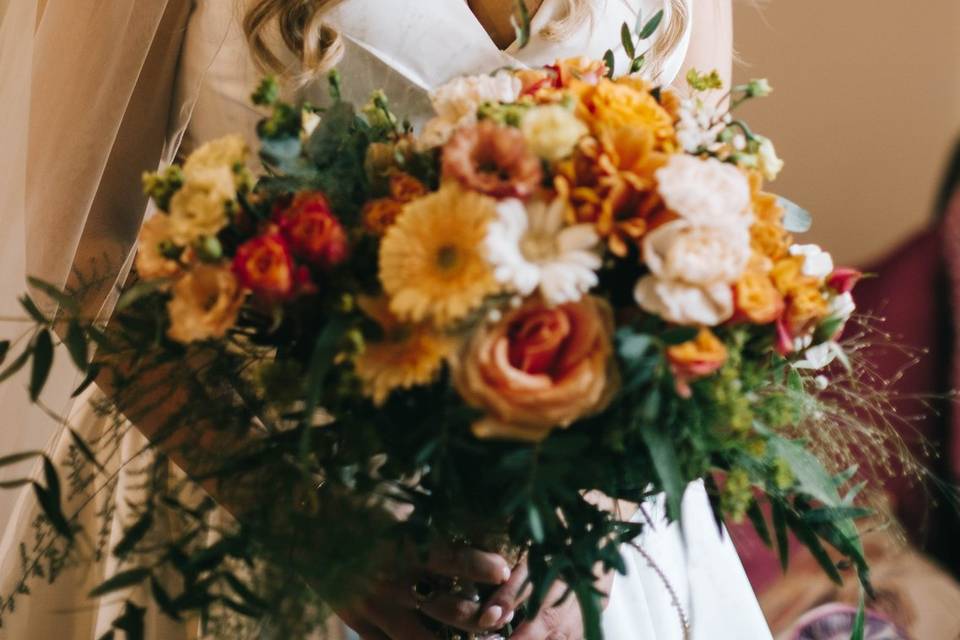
{"type": "Point", "coordinates": [611, 106]}
{"type": "Point", "coordinates": [432, 263]}
{"type": "Point", "coordinates": [406, 356]}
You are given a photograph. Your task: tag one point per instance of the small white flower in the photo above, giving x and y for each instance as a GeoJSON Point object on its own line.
{"type": "Point", "coordinates": [819, 357]}
{"type": "Point", "coordinates": [530, 249]}
{"type": "Point", "coordinates": [842, 306]}
{"type": "Point", "coordinates": [705, 191]}
{"type": "Point", "coordinates": [817, 263]}
{"type": "Point", "coordinates": [699, 126]}
{"type": "Point", "coordinates": [768, 161]}
{"type": "Point", "coordinates": [822, 382]}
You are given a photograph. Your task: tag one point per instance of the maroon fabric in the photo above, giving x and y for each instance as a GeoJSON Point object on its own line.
{"type": "Point", "coordinates": [911, 293]}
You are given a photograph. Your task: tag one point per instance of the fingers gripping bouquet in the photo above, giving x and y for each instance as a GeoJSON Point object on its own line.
{"type": "Point", "coordinates": [567, 283]}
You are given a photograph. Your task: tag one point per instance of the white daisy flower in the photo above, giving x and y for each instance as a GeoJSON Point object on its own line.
{"type": "Point", "coordinates": [530, 248]}
{"type": "Point", "coordinates": [817, 263]}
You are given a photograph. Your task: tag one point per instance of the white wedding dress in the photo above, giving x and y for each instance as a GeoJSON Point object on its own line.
{"type": "Point", "coordinates": [679, 585]}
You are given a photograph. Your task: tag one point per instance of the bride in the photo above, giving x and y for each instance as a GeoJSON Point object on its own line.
{"type": "Point", "coordinates": [98, 92]}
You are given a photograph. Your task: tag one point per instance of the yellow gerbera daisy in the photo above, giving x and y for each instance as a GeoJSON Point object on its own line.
{"type": "Point", "coordinates": [432, 263]}
{"type": "Point", "coordinates": [407, 356]}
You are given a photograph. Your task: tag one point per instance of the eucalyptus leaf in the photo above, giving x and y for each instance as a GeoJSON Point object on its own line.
{"type": "Point", "coordinates": [137, 292]}
{"type": "Point", "coordinates": [651, 26]}
{"type": "Point", "coordinates": [665, 463]}
{"type": "Point", "coordinates": [610, 61]}
{"type": "Point", "coordinates": [134, 535]}
{"type": "Point", "coordinates": [521, 27]}
{"type": "Point", "coordinates": [626, 37]}
{"type": "Point", "coordinates": [42, 363]}
{"type": "Point", "coordinates": [796, 219]}
{"type": "Point", "coordinates": [33, 310]}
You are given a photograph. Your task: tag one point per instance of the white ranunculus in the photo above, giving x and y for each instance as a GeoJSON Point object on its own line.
{"type": "Point", "coordinates": [817, 263]}
{"type": "Point", "coordinates": [456, 103]}
{"type": "Point", "coordinates": [696, 255]}
{"type": "Point", "coordinates": [768, 161]}
{"type": "Point", "coordinates": [705, 191]}
{"type": "Point", "coordinates": [692, 270]}
{"type": "Point", "coordinates": [530, 248]}
{"type": "Point", "coordinates": [684, 303]}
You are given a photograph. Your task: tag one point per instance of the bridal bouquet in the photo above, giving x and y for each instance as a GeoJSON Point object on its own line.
{"type": "Point", "coordinates": [565, 284]}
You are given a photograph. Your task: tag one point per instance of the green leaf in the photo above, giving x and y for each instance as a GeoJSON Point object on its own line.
{"type": "Point", "coordinates": [93, 371]}
{"type": "Point", "coordinates": [76, 342]}
{"type": "Point", "coordinates": [60, 297]}
{"type": "Point", "coordinates": [51, 479]}
{"type": "Point", "coordinates": [140, 290]}
{"type": "Point", "coordinates": [813, 480]}
{"type": "Point", "coordinates": [796, 219]}
{"type": "Point", "coordinates": [163, 599]}
{"type": "Point", "coordinates": [120, 581]}
{"type": "Point", "coordinates": [846, 475]}
{"type": "Point", "coordinates": [31, 308]}
{"type": "Point", "coordinates": [19, 457]}
{"type": "Point", "coordinates": [627, 39]}
{"type": "Point", "coordinates": [85, 450]}
{"type": "Point", "coordinates": [809, 539]}
{"type": "Point", "coordinates": [521, 27]}
{"type": "Point", "coordinates": [16, 365]}
{"type": "Point", "coordinates": [134, 534]}
{"type": "Point", "coordinates": [780, 529]}
{"type": "Point", "coordinates": [830, 514]}
{"type": "Point", "coordinates": [665, 463]}
{"type": "Point", "coordinates": [633, 346]}
{"type": "Point", "coordinates": [244, 592]}
{"type": "Point", "coordinates": [637, 64]}
{"type": "Point", "coordinates": [321, 360]}
{"type": "Point", "coordinates": [610, 61]}
{"type": "Point", "coordinates": [15, 484]}
{"type": "Point", "coordinates": [42, 362]}
{"type": "Point", "coordinates": [4, 349]}
{"type": "Point", "coordinates": [679, 335]}
{"type": "Point", "coordinates": [859, 622]}
{"type": "Point", "coordinates": [759, 522]}
{"type": "Point", "coordinates": [131, 622]}
{"type": "Point", "coordinates": [650, 28]}
{"type": "Point", "coordinates": [51, 509]}
{"type": "Point", "coordinates": [535, 522]}
{"type": "Point", "coordinates": [591, 611]}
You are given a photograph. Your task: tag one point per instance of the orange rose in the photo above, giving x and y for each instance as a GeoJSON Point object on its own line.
{"type": "Point", "coordinates": [698, 358]}
{"type": "Point", "coordinates": [264, 266]}
{"type": "Point", "coordinates": [755, 298]}
{"type": "Point", "coordinates": [204, 305]}
{"type": "Point", "coordinates": [312, 230]}
{"type": "Point", "coordinates": [380, 214]}
{"type": "Point", "coordinates": [538, 369]}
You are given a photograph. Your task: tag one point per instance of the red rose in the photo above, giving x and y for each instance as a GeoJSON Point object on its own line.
{"type": "Point", "coordinates": [314, 233]}
{"type": "Point", "coordinates": [264, 266]}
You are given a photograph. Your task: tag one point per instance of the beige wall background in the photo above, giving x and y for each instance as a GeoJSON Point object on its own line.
{"type": "Point", "coordinates": [865, 111]}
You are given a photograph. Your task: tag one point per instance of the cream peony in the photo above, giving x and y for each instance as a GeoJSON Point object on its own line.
{"type": "Point", "coordinates": [552, 131]}
{"type": "Point", "coordinates": [456, 103]}
{"type": "Point", "coordinates": [529, 248]}
{"type": "Point", "coordinates": [705, 191]}
{"type": "Point", "coordinates": [692, 271]}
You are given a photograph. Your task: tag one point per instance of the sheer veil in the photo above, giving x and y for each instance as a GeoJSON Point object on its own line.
{"type": "Point", "coordinates": [86, 103]}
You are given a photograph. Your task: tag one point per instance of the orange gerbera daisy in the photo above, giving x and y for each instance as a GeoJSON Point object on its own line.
{"type": "Point", "coordinates": [407, 356]}
{"type": "Point", "coordinates": [432, 262]}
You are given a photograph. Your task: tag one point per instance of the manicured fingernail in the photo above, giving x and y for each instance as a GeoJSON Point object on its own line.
{"type": "Point", "coordinates": [505, 574]}
{"type": "Point", "coordinates": [508, 619]}
{"type": "Point", "coordinates": [490, 616]}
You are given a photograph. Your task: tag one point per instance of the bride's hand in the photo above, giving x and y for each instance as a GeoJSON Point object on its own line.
{"type": "Point", "coordinates": [392, 610]}
{"type": "Point", "coordinates": [560, 622]}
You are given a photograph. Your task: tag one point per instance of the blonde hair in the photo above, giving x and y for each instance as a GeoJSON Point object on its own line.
{"type": "Point", "coordinates": [319, 47]}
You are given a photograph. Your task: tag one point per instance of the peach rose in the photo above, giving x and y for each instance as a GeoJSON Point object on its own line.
{"type": "Point", "coordinates": [755, 299]}
{"type": "Point", "coordinates": [204, 305]}
{"type": "Point", "coordinates": [698, 358]}
{"type": "Point", "coordinates": [538, 369]}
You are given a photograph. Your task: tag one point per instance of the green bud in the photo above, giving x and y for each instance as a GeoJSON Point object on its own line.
{"type": "Point", "coordinates": [267, 93]}
{"type": "Point", "coordinates": [758, 88]}
{"type": "Point", "coordinates": [704, 81]}
{"type": "Point", "coordinates": [209, 249]}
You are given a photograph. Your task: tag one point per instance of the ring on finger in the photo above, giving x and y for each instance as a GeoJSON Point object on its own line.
{"type": "Point", "coordinates": [423, 591]}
